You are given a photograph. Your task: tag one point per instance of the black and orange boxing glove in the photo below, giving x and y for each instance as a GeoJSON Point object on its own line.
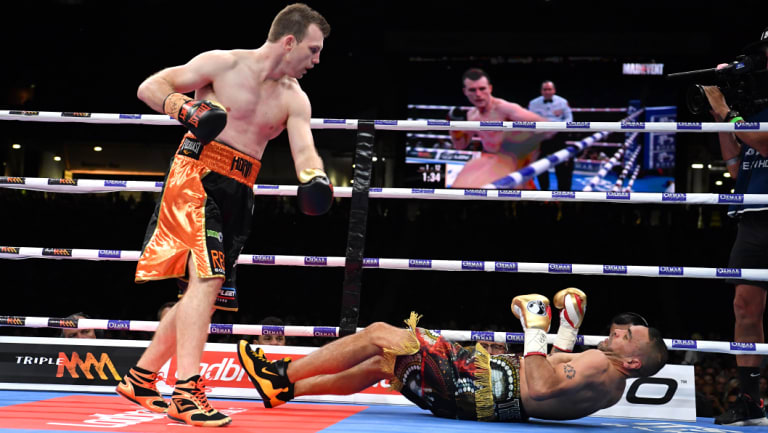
{"type": "Point", "coordinates": [206, 119]}
{"type": "Point", "coordinates": [315, 193]}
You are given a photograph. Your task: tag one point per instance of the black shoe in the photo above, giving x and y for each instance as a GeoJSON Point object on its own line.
{"type": "Point", "coordinates": [190, 405]}
{"type": "Point", "coordinates": [269, 378]}
{"type": "Point", "coordinates": [743, 411]}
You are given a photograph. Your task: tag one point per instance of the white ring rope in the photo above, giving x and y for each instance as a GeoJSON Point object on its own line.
{"type": "Point", "coordinates": [331, 331]}
{"type": "Point", "coordinates": [628, 165]}
{"type": "Point", "coordinates": [467, 108]}
{"type": "Point", "coordinates": [517, 178]}
{"type": "Point", "coordinates": [414, 264]}
{"type": "Point", "coordinates": [632, 179]}
{"type": "Point", "coordinates": [608, 165]}
{"type": "Point", "coordinates": [85, 186]}
{"type": "Point", "coordinates": [408, 125]}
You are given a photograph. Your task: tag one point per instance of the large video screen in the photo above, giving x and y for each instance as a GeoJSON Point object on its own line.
{"type": "Point", "coordinates": [478, 159]}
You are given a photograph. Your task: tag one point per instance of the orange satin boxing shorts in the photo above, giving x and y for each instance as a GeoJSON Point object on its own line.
{"type": "Point", "coordinates": [204, 213]}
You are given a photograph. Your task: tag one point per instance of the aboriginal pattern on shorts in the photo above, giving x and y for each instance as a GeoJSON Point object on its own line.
{"type": "Point", "coordinates": [205, 213]}
{"type": "Point", "coordinates": [443, 378]}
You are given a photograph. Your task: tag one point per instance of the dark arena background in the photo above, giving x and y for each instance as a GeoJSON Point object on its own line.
{"type": "Point", "coordinates": [90, 56]}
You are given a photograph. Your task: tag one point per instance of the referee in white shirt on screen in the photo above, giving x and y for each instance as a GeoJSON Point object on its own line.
{"type": "Point", "coordinates": [555, 109]}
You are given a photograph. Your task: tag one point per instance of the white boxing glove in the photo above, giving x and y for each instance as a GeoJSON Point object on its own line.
{"type": "Point", "coordinates": [572, 304]}
{"type": "Point", "coordinates": [535, 316]}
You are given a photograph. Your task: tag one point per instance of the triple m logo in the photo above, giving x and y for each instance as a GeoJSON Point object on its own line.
{"type": "Point", "coordinates": [75, 366]}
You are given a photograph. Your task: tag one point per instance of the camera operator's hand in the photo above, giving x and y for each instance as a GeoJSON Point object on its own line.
{"type": "Point", "coordinates": [717, 101]}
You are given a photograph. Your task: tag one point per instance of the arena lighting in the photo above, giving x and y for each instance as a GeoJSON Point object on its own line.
{"type": "Point", "coordinates": [726, 174]}
{"type": "Point", "coordinates": [57, 158]}
{"type": "Point", "coordinates": [16, 146]}
{"type": "Point", "coordinates": [697, 165]}
{"type": "Point", "coordinates": [97, 148]}
{"type": "Point", "coordinates": [718, 182]}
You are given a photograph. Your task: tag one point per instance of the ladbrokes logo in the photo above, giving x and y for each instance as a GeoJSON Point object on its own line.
{"type": "Point", "coordinates": [75, 363]}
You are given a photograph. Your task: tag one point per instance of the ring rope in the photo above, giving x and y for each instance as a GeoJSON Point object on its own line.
{"type": "Point", "coordinates": [608, 165]}
{"type": "Point", "coordinates": [331, 331]}
{"type": "Point", "coordinates": [85, 186]}
{"type": "Point", "coordinates": [632, 179]}
{"type": "Point", "coordinates": [414, 264]}
{"type": "Point", "coordinates": [535, 168]}
{"type": "Point", "coordinates": [466, 108]}
{"type": "Point", "coordinates": [408, 125]}
{"type": "Point", "coordinates": [628, 165]}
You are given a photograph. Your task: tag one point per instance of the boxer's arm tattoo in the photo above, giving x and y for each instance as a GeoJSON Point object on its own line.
{"type": "Point", "coordinates": [570, 372]}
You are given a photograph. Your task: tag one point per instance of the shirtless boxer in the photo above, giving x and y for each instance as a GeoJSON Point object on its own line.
{"type": "Point", "coordinates": [503, 152]}
{"type": "Point", "coordinates": [242, 99]}
{"type": "Point", "coordinates": [454, 382]}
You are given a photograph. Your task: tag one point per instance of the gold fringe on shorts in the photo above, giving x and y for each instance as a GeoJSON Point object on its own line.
{"type": "Point", "coordinates": [409, 346]}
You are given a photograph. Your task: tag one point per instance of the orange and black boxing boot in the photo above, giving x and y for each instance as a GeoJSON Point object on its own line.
{"type": "Point", "coordinates": [270, 378]}
{"type": "Point", "coordinates": [138, 386]}
{"type": "Point", "coordinates": [204, 118]}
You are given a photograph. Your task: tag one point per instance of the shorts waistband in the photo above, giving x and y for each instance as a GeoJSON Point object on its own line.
{"type": "Point", "coordinates": [221, 159]}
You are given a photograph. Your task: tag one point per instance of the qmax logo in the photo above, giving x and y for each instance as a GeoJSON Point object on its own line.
{"type": "Point", "coordinates": [510, 193]}
{"type": "Point", "coordinates": [561, 268]}
{"type": "Point", "coordinates": [673, 196]}
{"type": "Point", "coordinates": [419, 263]}
{"type": "Point", "coordinates": [515, 337]}
{"type": "Point", "coordinates": [670, 270]}
{"type": "Point", "coordinates": [321, 331]}
{"type": "Point", "coordinates": [617, 195]}
{"type": "Point", "coordinates": [730, 198]}
{"type": "Point", "coordinates": [219, 328]}
{"type": "Point", "coordinates": [633, 125]}
{"type": "Point", "coordinates": [688, 125]}
{"type": "Point", "coordinates": [634, 398]}
{"type": "Point", "coordinates": [370, 263]}
{"type": "Point", "coordinates": [438, 123]}
{"type": "Point", "coordinates": [263, 260]}
{"type": "Point", "coordinates": [746, 347]}
{"type": "Point", "coordinates": [472, 265]}
{"type": "Point", "coordinates": [491, 123]}
{"type": "Point", "coordinates": [120, 183]}
{"type": "Point", "coordinates": [315, 261]}
{"type": "Point", "coordinates": [109, 254]}
{"type": "Point", "coordinates": [614, 269]}
{"type": "Point", "coordinates": [747, 125]}
{"type": "Point", "coordinates": [683, 344]}
{"type": "Point", "coordinates": [481, 336]}
{"type": "Point", "coordinates": [729, 272]}
{"type": "Point", "coordinates": [505, 266]}
{"type": "Point", "coordinates": [422, 191]}
{"type": "Point", "coordinates": [119, 324]}
{"type": "Point", "coordinates": [563, 194]}
{"type": "Point", "coordinates": [573, 125]}
{"type": "Point", "coordinates": [476, 192]}
{"type": "Point", "coordinates": [527, 125]}
{"type": "Point", "coordinates": [75, 363]}
{"type": "Point", "coordinates": [272, 330]}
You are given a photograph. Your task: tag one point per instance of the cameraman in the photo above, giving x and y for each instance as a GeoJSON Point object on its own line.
{"type": "Point", "coordinates": [746, 156]}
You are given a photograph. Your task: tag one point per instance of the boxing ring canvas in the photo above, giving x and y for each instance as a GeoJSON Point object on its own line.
{"type": "Point", "coordinates": [40, 411]}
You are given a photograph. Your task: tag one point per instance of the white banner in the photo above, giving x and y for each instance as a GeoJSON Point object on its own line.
{"type": "Point", "coordinates": [669, 395]}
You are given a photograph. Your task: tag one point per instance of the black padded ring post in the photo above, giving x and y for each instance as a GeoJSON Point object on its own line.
{"type": "Point", "coordinates": [358, 218]}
